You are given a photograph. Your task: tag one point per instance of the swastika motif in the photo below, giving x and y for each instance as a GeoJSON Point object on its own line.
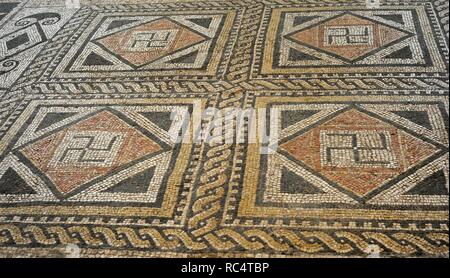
{"type": "Point", "coordinates": [147, 40]}
{"type": "Point", "coordinates": [356, 148]}
{"type": "Point", "coordinates": [348, 35]}
{"type": "Point", "coordinates": [98, 148]}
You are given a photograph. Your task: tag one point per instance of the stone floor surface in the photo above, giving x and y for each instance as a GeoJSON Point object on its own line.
{"type": "Point", "coordinates": [352, 95]}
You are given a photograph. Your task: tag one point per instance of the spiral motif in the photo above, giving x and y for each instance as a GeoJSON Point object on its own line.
{"type": "Point", "coordinates": [25, 22]}
{"type": "Point", "coordinates": [41, 18]}
{"type": "Point", "coordinates": [50, 21]}
{"type": "Point", "coordinates": [8, 66]}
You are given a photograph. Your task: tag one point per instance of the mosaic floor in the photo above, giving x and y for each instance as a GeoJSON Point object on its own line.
{"type": "Point", "coordinates": [359, 92]}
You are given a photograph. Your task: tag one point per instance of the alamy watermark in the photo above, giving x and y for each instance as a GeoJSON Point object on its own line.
{"type": "Point", "coordinates": [227, 126]}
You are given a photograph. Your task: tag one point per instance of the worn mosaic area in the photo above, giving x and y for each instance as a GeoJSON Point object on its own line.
{"type": "Point", "coordinates": [87, 98]}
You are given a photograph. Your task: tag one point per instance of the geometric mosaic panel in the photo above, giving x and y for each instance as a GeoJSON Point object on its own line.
{"type": "Point", "coordinates": [85, 153]}
{"type": "Point", "coordinates": [24, 36]}
{"type": "Point", "coordinates": [307, 40]}
{"type": "Point", "coordinates": [347, 159]}
{"type": "Point", "coordinates": [356, 98]}
{"type": "Point", "coordinates": [154, 44]}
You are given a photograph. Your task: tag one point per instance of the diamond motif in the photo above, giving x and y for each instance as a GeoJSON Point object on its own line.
{"type": "Point", "coordinates": [88, 149]}
{"type": "Point", "coordinates": [149, 42]}
{"type": "Point", "coordinates": [357, 151]}
{"type": "Point", "coordinates": [348, 36]}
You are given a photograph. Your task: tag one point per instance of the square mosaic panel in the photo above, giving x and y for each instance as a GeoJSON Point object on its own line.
{"type": "Point", "coordinates": [340, 160]}
{"type": "Point", "coordinates": [147, 43]}
{"type": "Point", "coordinates": [350, 40]}
{"type": "Point", "coordinates": [108, 158]}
